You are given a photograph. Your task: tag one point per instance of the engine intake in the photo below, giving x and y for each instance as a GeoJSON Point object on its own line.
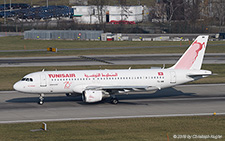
{"type": "Point", "coordinates": [91, 96]}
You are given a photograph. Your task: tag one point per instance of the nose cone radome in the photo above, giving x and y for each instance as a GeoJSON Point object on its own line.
{"type": "Point", "coordinates": [17, 86]}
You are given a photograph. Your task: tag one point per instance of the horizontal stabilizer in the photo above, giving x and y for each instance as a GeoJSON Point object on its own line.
{"type": "Point", "coordinates": [200, 74]}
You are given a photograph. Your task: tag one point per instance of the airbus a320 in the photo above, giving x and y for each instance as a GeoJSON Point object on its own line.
{"type": "Point", "coordinates": [96, 85]}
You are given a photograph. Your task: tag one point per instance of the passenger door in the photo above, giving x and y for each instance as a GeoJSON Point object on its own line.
{"type": "Point", "coordinates": [43, 80]}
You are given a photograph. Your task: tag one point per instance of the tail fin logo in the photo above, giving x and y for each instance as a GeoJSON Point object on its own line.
{"type": "Point", "coordinates": [191, 55]}
{"type": "Point", "coordinates": [199, 49]}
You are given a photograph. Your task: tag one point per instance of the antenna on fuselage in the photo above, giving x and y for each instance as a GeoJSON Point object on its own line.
{"type": "Point", "coordinates": [43, 70]}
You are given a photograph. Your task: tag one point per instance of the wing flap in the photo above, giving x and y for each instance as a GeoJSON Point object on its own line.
{"type": "Point", "coordinates": [133, 88]}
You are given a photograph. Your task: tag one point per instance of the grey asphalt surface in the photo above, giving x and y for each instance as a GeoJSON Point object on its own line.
{"type": "Point", "coordinates": [210, 58]}
{"type": "Point", "coordinates": [201, 99]}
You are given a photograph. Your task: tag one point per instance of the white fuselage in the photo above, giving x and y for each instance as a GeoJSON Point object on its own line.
{"type": "Point", "coordinates": [49, 82]}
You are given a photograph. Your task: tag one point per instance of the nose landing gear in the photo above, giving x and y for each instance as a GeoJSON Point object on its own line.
{"type": "Point", "coordinates": [41, 99]}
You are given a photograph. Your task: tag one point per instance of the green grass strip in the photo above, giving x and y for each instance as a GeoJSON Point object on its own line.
{"type": "Point", "coordinates": [118, 129]}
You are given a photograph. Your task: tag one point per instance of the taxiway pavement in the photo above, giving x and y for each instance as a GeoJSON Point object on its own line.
{"type": "Point", "coordinates": [210, 58]}
{"type": "Point", "coordinates": [201, 99]}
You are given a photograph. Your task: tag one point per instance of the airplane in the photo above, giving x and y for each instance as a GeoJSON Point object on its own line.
{"type": "Point", "coordinates": [96, 85]}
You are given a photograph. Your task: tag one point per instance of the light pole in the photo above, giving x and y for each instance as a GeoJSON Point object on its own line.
{"type": "Point", "coordinates": [47, 3]}
{"type": "Point", "coordinates": [4, 13]}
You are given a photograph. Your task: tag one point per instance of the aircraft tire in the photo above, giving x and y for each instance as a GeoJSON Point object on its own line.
{"type": "Point", "coordinates": [40, 102]}
{"type": "Point", "coordinates": [114, 101]}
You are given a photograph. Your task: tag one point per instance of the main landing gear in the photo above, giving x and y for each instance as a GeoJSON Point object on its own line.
{"type": "Point", "coordinates": [114, 100]}
{"type": "Point", "coordinates": [41, 99]}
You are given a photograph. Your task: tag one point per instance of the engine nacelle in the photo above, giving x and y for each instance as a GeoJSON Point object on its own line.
{"type": "Point", "coordinates": [91, 96]}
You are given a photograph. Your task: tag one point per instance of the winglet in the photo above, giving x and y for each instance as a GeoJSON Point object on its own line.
{"type": "Point", "coordinates": [193, 57]}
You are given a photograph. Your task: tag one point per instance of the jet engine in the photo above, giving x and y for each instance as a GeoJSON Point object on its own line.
{"type": "Point", "coordinates": [91, 96]}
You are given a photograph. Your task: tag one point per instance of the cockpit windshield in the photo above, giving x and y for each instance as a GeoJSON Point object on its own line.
{"type": "Point", "coordinates": [27, 79]}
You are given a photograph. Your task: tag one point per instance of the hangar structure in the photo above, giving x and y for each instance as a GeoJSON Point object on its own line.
{"type": "Point", "coordinates": [63, 34]}
{"type": "Point", "coordinates": [106, 14]}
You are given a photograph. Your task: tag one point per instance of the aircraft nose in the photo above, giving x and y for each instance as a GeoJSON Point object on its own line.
{"type": "Point", "coordinates": [17, 86]}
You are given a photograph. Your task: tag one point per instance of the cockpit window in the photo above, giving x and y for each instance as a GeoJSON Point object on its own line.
{"type": "Point", "coordinates": [27, 79]}
{"type": "Point", "coordinates": [23, 79]}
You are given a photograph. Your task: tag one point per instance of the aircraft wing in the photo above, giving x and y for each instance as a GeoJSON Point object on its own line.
{"type": "Point", "coordinates": [131, 88]}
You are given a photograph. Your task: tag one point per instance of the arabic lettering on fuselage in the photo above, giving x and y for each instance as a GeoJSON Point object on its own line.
{"type": "Point", "coordinates": [101, 75]}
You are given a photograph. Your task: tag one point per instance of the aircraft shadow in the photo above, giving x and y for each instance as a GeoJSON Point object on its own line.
{"type": "Point", "coordinates": [168, 92]}
{"type": "Point", "coordinates": [164, 93]}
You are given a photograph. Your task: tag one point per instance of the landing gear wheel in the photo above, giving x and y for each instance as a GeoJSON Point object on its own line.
{"type": "Point", "coordinates": [41, 99]}
{"type": "Point", "coordinates": [41, 102]}
{"type": "Point", "coordinates": [114, 101]}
